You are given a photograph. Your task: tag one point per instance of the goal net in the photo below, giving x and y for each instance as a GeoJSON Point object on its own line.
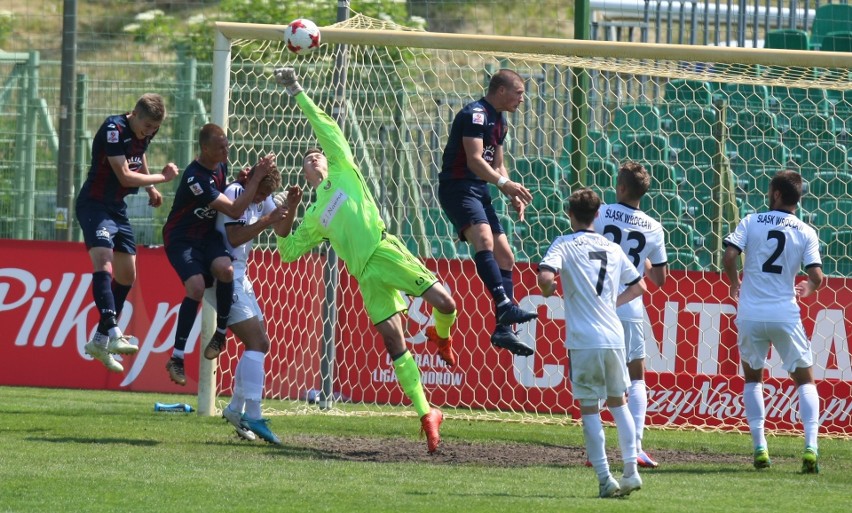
{"type": "Point", "coordinates": [711, 125]}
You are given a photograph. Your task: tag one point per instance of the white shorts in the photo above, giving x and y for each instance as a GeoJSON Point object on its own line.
{"type": "Point", "coordinates": [598, 373]}
{"type": "Point", "coordinates": [787, 338]}
{"type": "Point", "coordinates": [634, 339]}
{"type": "Point", "coordinates": [245, 304]}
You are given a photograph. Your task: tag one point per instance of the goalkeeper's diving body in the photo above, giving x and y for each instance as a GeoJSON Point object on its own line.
{"type": "Point", "coordinates": [346, 215]}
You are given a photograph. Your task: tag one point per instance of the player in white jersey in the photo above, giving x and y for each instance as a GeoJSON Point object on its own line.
{"type": "Point", "coordinates": [246, 318]}
{"type": "Point", "coordinates": [777, 244]}
{"type": "Point", "coordinates": [643, 240]}
{"type": "Point", "coordinates": [593, 270]}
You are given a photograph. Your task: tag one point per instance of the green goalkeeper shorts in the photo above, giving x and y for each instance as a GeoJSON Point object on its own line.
{"type": "Point", "coordinates": [390, 270]}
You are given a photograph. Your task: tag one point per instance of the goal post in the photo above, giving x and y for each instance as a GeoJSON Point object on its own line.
{"type": "Point", "coordinates": [712, 125]}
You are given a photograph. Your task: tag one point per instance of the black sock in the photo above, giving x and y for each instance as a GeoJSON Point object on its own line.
{"type": "Point", "coordinates": [508, 284]}
{"type": "Point", "coordinates": [489, 272]}
{"type": "Point", "coordinates": [186, 318]}
{"type": "Point", "coordinates": [104, 300]}
{"type": "Point", "coordinates": [224, 299]}
{"type": "Point", "coordinates": [119, 293]}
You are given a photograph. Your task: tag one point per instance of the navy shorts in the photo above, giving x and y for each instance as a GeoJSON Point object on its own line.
{"type": "Point", "coordinates": [467, 203]}
{"type": "Point", "coordinates": [105, 227]}
{"type": "Point", "coordinates": [189, 258]}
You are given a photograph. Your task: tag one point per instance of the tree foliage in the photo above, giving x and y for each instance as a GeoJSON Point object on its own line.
{"type": "Point", "coordinates": [195, 35]}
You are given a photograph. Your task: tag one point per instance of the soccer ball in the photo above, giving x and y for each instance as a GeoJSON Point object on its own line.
{"type": "Point", "coordinates": [302, 36]}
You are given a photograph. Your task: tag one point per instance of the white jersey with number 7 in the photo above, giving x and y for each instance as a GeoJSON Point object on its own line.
{"type": "Point", "coordinates": [593, 270]}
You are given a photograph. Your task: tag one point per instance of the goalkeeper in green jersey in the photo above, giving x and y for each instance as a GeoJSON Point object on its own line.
{"type": "Point", "coordinates": [346, 215]}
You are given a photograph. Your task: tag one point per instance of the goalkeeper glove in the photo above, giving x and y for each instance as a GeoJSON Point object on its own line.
{"type": "Point", "coordinates": [287, 78]}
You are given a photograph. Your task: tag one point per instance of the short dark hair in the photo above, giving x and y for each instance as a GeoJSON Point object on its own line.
{"type": "Point", "coordinates": [208, 132]}
{"type": "Point", "coordinates": [583, 204]}
{"type": "Point", "coordinates": [311, 151]}
{"type": "Point", "coordinates": [635, 179]}
{"type": "Point", "coordinates": [151, 106]}
{"type": "Point", "coordinates": [789, 184]}
{"type": "Point", "coordinates": [503, 78]}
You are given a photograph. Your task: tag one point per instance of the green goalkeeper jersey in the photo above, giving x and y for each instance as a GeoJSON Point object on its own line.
{"type": "Point", "coordinates": [344, 213]}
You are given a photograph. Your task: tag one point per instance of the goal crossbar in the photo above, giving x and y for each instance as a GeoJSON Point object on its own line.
{"type": "Point", "coordinates": [560, 47]}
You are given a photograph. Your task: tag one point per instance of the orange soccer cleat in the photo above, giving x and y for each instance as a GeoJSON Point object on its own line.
{"type": "Point", "coordinates": [430, 424]}
{"type": "Point", "coordinates": [445, 346]}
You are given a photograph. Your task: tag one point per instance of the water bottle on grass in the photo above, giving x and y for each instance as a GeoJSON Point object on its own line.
{"type": "Point", "coordinates": [173, 407]}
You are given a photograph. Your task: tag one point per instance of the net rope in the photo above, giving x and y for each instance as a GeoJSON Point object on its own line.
{"type": "Point", "coordinates": [694, 124]}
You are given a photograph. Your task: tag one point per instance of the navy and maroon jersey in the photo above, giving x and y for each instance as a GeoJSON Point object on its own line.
{"type": "Point", "coordinates": [191, 218]}
{"type": "Point", "coordinates": [114, 139]}
{"type": "Point", "coordinates": [480, 120]}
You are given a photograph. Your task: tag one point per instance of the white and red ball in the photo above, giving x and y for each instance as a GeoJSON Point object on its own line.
{"type": "Point", "coordinates": [302, 36]}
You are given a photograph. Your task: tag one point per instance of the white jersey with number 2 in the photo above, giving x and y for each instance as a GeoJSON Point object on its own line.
{"type": "Point", "coordinates": [592, 270]}
{"type": "Point", "coordinates": [776, 245]}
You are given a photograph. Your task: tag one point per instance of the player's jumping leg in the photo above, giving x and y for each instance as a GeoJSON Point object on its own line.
{"type": "Point", "coordinates": [408, 375]}
{"type": "Point", "coordinates": [124, 271]}
{"type": "Point", "coordinates": [224, 273]}
{"type": "Point", "coordinates": [98, 347]}
{"type": "Point", "coordinates": [444, 311]}
{"type": "Point", "coordinates": [186, 318]}
{"type": "Point", "coordinates": [498, 267]}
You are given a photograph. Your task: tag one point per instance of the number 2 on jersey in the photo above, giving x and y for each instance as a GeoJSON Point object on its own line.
{"type": "Point", "coordinates": [769, 266]}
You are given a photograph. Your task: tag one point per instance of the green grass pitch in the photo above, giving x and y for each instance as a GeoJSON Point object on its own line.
{"type": "Point", "coordinates": [81, 451]}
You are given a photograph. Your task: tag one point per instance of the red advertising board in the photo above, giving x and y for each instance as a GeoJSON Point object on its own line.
{"type": "Point", "coordinates": [48, 315]}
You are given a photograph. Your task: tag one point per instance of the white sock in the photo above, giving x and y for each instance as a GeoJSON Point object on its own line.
{"type": "Point", "coordinates": [755, 412]}
{"type": "Point", "coordinates": [626, 437]}
{"type": "Point", "coordinates": [114, 332]}
{"type": "Point", "coordinates": [252, 382]}
{"type": "Point", "coordinates": [593, 434]}
{"type": "Point", "coordinates": [809, 413]}
{"type": "Point", "coordinates": [238, 398]}
{"type": "Point", "coordinates": [177, 353]}
{"type": "Point", "coordinates": [637, 402]}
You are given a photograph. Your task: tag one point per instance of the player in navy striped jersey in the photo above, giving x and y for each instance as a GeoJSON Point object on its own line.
{"type": "Point", "coordinates": [194, 247]}
{"type": "Point", "coordinates": [777, 245]}
{"type": "Point", "coordinates": [119, 167]}
{"type": "Point", "coordinates": [597, 276]}
{"type": "Point", "coordinates": [473, 158]}
{"type": "Point", "coordinates": [643, 240]}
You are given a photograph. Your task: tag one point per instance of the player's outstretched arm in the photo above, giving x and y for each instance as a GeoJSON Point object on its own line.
{"type": "Point", "coordinates": [128, 178]}
{"type": "Point", "coordinates": [240, 234]}
{"type": "Point", "coordinates": [170, 172]}
{"type": "Point", "coordinates": [236, 207]}
{"type": "Point", "coordinates": [330, 136]}
{"type": "Point", "coordinates": [289, 199]}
